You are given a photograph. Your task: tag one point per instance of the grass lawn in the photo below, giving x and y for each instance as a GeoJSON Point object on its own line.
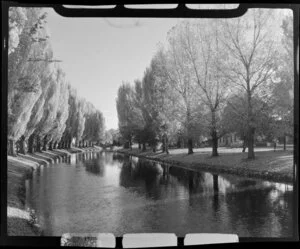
{"type": "Point", "coordinates": [268, 164]}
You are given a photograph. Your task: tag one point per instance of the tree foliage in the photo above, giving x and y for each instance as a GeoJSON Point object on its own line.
{"type": "Point", "coordinates": [211, 78]}
{"type": "Point", "coordinates": [42, 106]}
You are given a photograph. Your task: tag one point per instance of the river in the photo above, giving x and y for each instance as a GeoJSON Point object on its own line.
{"type": "Point", "coordinates": [111, 192]}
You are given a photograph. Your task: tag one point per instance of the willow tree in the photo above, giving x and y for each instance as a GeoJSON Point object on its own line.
{"type": "Point", "coordinates": [128, 113]}
{"type": "Point", "coordinates": [251, 57]}
{"type": "Point", "coordinates": [41, 108]}
{"type": "Point", "coordinates": [89, 110]}
{"type": "Point", "coordinates": [24, 82]}
{"type": "Point", "coordinates": [17, 20]}
{"type": "Point", "coordinates": [59, 125]}
{"type": "Point", "coordinates": [72, 121]}
{"type": "Point", "coordinates": [81, 121]}
{"type": "Point", "coordinates": [38, 132]}
{"type": "Point", "coordinates": [94, 128]}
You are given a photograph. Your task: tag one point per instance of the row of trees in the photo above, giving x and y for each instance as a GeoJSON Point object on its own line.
{"type": "Point", "coordinates": [214, 77]}
{"type": "Point", "coordinates": [44, 111]}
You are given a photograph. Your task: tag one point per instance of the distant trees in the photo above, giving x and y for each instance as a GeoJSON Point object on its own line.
{"type": "Point", "coordinates": [213, 77]}
{"type": "Point", "coordinates": [44, 111]}
{"type": "Point", "coordinates": [94, 125]}
{"type": "Point", "coordinates": [130, 118]}
{"type": "Point", "coordinates": [112, 137]}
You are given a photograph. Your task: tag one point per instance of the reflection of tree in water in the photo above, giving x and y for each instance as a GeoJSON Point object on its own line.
{"type": "Point", "coordinates": [108, 158]}
{"type": "Point", "coordinates": [255, 207]}
{"type": "Point", "coordinates": [194, 181]}
{"type": "Point", "coordinates": [246, 183]}
{"type": "Point", "coordinates": [144, 176]}
{"type": "Point", "coordinates": [95, 166]}
{"type": "Point", "coordinates": [126, 175]}
{"type": "Point", "coordinates": [120, 157]}
{"type": "Point", "coordinates": [215, 201]}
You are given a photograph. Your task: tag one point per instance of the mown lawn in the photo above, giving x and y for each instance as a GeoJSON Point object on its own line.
{"type": "Point", "coordinates": [277, 163]}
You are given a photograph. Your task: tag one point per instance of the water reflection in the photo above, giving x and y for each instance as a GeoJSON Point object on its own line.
{"type": "Point", "coordinates": [114, 192]}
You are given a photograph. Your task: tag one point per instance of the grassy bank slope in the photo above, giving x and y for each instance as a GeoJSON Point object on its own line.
{"type": "Point", "coordinates": [269, 165]}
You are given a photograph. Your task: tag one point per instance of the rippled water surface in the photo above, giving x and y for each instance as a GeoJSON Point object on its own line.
{"type": "Point", "coordinates": [107, 192]}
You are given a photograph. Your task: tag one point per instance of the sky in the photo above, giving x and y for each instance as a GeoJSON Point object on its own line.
{"type": "Point", "coordinates": [98, 54]}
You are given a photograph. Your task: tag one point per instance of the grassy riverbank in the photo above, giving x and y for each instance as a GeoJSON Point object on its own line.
{"type": "Point", "coordinates": [19, 169]}
{"type": "Point", "coordinates": [269, 165]}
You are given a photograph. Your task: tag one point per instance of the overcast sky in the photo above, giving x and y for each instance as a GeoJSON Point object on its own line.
{"type": "Point", "coordinates": [98, 54]}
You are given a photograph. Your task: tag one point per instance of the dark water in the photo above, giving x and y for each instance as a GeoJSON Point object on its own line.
{"type": "Point", "coordinates": [106, 192]}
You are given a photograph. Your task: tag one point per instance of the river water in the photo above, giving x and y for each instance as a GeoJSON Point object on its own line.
{"type": "Point", "coordinates": [110, 192]}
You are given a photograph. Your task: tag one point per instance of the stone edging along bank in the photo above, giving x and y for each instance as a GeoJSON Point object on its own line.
{"type": "Point", "coordinates": [260, 174]}
{"type": "Point", "coordinates": [41, 159]}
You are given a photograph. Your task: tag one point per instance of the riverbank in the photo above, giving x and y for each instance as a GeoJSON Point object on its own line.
{"type": "Point", "coordinates": [21, 222]}
{"type": "Point", "coordinates": [268, 165]}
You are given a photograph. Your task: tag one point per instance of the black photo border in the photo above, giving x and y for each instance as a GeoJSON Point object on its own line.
{"type": "Point", "coordinates": [121, 11]}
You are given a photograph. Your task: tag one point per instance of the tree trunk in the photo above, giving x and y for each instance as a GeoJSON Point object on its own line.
{"type": "Point", "coordinates": [182, 143]}
{"type": "Point", "coordinates": [214, 143]}
{"type": "Point", "coordinates": [50, 145]}
{"type": "Point", "coordinates": [140, 147]}
{"type": "Point", "coordinates": [154, 148]}
{"type": "Point", "coordinates": [30, 144]}
{"type": "Point", "coordinates": [38, 144]}
{"type": "Point", "coordinates": [244, 144]}
{"type": "Point", "coordinates": [251, 143]}
{"type": "Point", "coordinates": [190, 146]}
{"type": "Point", "coordinates": [12, 147]}
{"type": "Point", "coordinates": [215, 183]}
{"type": "Point", "coordinates": [55, 145]}
{"type": "Point", "coordinates": [284, 142]}
{"type": "Point", "coordinates": [250, 122]}
{"type": "Point", "coordinates": [70, 144]}
{"type": "Point", "coordinates": [130, 144]}
{"type": "Point", "coordinates": [59, 145]}
{"type": "Point", "coordinates": [22, 145]}
{"type": "Point", "coordinates": [166, 145]}
{"type": "Point", "coordinates": [45, 143]}
{"type": "Point", "coordinates": [214, 134]}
